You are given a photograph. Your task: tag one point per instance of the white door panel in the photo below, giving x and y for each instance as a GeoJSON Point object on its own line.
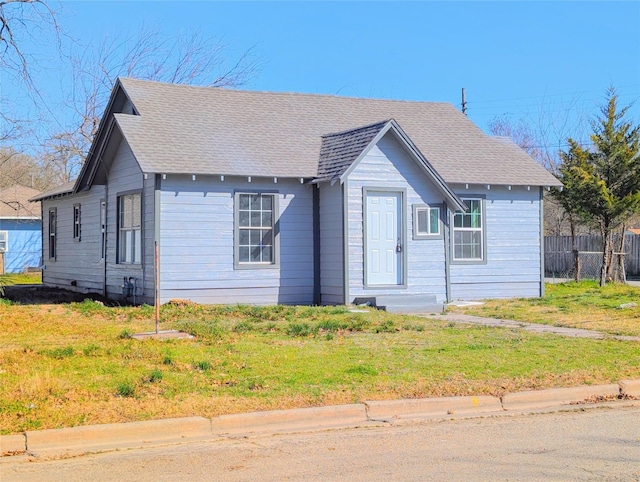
{"type": "Point", "coordinates": [383, 235]}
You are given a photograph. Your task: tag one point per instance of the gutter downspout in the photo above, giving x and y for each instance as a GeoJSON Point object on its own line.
{"type": "Point", "coordinates": [317, 295]}
{"type": "Point", "coordinates": [447, 253]}
{"type": "Point", "coordinates": [106, 231]}
{"type": "Point", "coordinates": [541, 242]}
{"type": "Point", "coordinates": [345, 240]}
{"type": "Point", "coordinates": [156, 237]}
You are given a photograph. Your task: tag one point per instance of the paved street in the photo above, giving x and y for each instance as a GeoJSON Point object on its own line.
{"type": "Point", "coordinates": [595, 444]}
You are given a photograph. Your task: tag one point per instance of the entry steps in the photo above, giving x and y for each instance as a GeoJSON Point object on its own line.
{"type": "Point", "coordinates": [402, 303]}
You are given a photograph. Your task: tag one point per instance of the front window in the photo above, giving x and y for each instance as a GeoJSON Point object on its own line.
{"type": "Point", "coordinates": [53, 222]}
{"type": "Point", "coordinates": [255, 232]}
{"type": "Point", "coordinates": [426, 221]}
{"type": "Point", "coordinates": [129, 227]}
{"type": "Point", "coordinates": [468, 235]}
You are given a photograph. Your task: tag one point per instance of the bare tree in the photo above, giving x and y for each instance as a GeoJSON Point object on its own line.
{"type": "Point", "coordinates": [149, 54]}
{"type": "Point", "coordinates": [19, 20]}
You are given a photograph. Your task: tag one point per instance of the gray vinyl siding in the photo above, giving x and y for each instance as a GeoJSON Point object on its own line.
{"type": "Point", "coordinates": [76, 261]}
{"type": "Point", "coordinates": [125, 176]}
{"type": "Point", "coordinates": [331, 245]}
{"type": "Point", "coordinates": [388, 166]}
{"type": "Point", "coordinates": [512, 267]}
{"type": "Point", "coordinates": [196, 243]}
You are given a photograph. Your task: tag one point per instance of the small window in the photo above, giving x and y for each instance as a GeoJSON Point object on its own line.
{"type": "Point", "coordinates": [53, 226]}
{"type": "Point", "coordinates": [76, 222]}
{"type": "Point", "coordinates": [426, 221]}
{"type": "Point", "coordinates": [468, 232]}
{"type": "Point", "coordinates": [255, 229]}
{"type": "Point", "coordinates": [103, 228]}
{"type": "Point", "coordinates": [4, 241]}
{"type": "Point", "coordinates": [129, 229]}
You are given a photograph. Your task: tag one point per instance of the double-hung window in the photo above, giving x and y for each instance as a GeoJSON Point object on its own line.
{"type": "Point", "coordinates": [76, 222]}
{"type": "Point", "coordinates": [468, 232]}
{"type": "Point", "coordinates": [53, 227]}
{"type": "Point", "coordinates": [129, 229]}
{"type": "Point", "coordinates": [4, 241]}
{"type": "Point", "coordinates": [255, 233]}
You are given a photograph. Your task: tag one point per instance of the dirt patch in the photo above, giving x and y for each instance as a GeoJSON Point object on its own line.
{"type": "Point", "coordinates": [41, 294]}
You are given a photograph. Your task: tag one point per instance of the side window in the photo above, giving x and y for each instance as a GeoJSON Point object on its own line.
{"type": "Point", "coordinates": [103, 229]}
{"type": "Point", "coordinates": [4, 241]}
{"type": "Point", "coordinates": [468, 232]}
{"type": "Point", "coordinates": [53, 227]}
{"type": "Point", "coordinates": [129, 229]}
{"type": "Point", "coordinates": [426, 221]}
{"type": "Point", "coordinates": [255, 233]}
{"type": "Point", "coordinates": [76, 222]}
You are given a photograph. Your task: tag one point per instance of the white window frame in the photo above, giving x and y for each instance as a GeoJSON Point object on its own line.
{"type": "Point", "coordinates": [430, 209]}
{"type": "Point", "coordinates": [460, 218]}
{"type": "Point", "coordinates": [248, 213]}
{"type": "Point", "coordinates": [4, 241]}
{"type": "Point", "coordinates": [129, 229]}
{"type": "Point", "coordinates": [76, 222]}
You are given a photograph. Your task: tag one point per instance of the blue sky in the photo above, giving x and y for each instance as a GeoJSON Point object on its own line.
{"type": "Point", "coordinates": [520, 59]}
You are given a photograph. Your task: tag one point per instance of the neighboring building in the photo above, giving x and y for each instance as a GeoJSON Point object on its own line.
{"type": "Point", "coordinates": [20, 230]}
{"type": "Point", "coordinates": [256, 197]}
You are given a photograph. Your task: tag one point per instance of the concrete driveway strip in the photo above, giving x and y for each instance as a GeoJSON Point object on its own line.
{"type": "Point", "coordinates": [532, 327]}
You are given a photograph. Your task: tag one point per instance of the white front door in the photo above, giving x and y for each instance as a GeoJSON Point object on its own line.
{"type": "Point", "coordinates": [384, 238]}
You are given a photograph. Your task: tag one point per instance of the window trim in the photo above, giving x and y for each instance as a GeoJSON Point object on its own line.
{"type": "Point", "coordinates": [428, 207]}
{"type": "Point", "coordinates": [483, 231]}
{"type": "Point", "coordinates": [53, 233]}
{"type": "Point", "coordinates": [275, 206]}
{"type": "Point", "coordinates": [119, 232]}
{"type": "Point", "coordinates": [77, 226]}
{"type": "Point", "coordinates": [6, 241]}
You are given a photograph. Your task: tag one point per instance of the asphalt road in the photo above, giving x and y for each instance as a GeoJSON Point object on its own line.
{"type": "Point", "coordinates": [594, 444]}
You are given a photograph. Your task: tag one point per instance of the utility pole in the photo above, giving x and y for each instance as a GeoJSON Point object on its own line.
{"type": "Point", "coordinates": [464, 103]}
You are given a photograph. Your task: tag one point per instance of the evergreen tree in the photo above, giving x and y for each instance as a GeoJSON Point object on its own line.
{"type": "Point", "coordinates": [602, 183]}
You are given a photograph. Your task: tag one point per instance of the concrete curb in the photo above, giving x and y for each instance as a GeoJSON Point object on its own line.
{"type": "Point", "coordinates": [10, 444]}
{"type": "Point", "coordinates": [91, 438]}
{"type": "Point", "coordinates": [630, 388]}
{"type": "Point", "coordinates": [431, 407]}
{"type": "Point", "coordinates": [116, 436]}
{"type": "Point", "coordinates": [556, 396]}
{"type": "Point", "coordinates": [301, 419]}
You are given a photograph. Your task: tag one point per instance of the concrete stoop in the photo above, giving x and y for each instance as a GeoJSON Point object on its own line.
{"type": "Point", "coordinates": [99, 438]}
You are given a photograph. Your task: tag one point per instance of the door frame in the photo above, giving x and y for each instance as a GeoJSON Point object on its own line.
{"type": "Point", "coordinates": [402, 224]}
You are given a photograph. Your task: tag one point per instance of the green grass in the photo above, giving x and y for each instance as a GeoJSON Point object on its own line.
{"type": "Point", "coordinates": [75, 364]}
{"type": "Point", "coordinates": [608, 309]}
{"type": "Point", "coordinates": [20, 279]}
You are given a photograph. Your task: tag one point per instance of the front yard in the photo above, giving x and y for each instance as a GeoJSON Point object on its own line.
{"type": "Point", "coordinates": [76, 363]}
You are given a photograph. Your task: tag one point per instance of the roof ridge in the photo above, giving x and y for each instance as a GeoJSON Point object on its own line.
{"type": "Point", "coordinates": [356, 129]}
{"type": "Point", "coordinates": [283, 93]}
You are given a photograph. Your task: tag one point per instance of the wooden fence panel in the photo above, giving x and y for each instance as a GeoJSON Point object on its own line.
{"type": "Point", "coordinates": [559, 256]}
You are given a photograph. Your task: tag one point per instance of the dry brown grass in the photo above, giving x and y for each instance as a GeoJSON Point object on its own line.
{"type": "Point", "coordinates": [73, 364]}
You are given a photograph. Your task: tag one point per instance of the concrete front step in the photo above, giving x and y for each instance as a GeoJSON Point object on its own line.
{"type": "Point", "coordinates": [403, 303]}
{"type": "Point", "coordinates": [430, 308]}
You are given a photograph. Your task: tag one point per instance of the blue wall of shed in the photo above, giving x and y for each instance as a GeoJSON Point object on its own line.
{"type": "Point", "coordinates": [25, 243]}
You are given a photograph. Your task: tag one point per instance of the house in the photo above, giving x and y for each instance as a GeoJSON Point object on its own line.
{"type": "Point", "coordinates": [20, 230]}
{"type": "Point", "coordinates": [257, 197]}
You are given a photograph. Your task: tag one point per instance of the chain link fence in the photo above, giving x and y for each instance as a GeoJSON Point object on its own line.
{"type": "Point", "coordinates": [561, 266]}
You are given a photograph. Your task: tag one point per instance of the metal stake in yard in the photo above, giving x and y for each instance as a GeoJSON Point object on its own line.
{"type": "Point", "coordinates": [157, 288]}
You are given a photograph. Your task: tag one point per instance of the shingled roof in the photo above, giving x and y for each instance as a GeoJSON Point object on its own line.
{"type": "Point", "coordinates": [340, 149]}
{"type": "Point", "coordinates": [14, 203]}
{"type": "Point", "coordinates": [201, 130]}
